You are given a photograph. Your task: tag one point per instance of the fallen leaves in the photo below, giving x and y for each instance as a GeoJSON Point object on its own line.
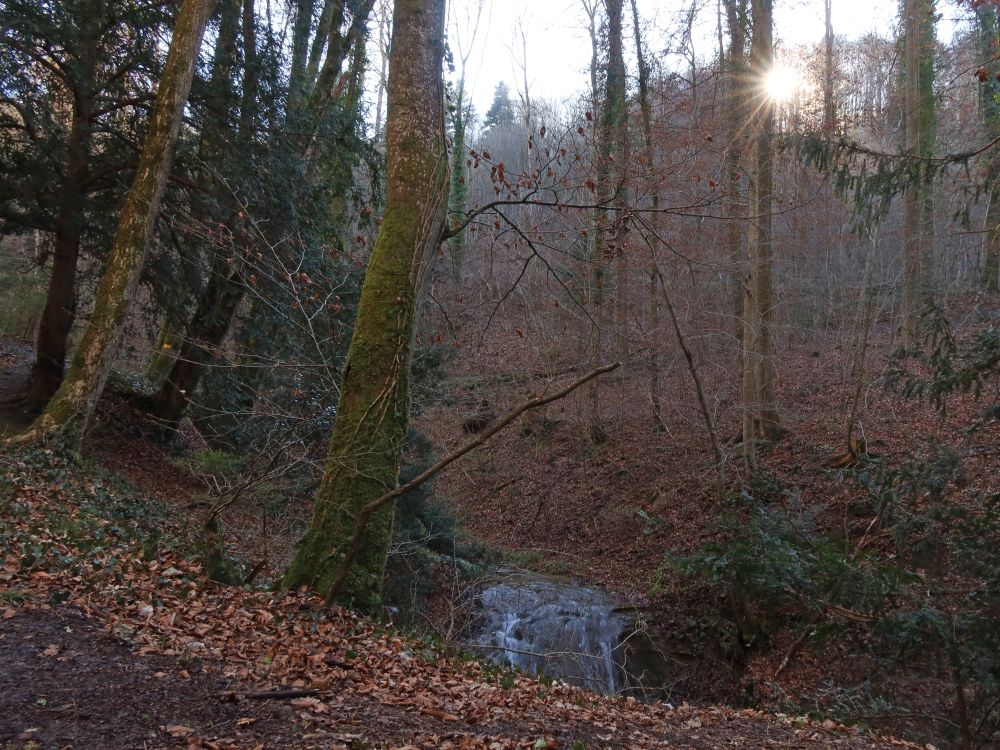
{"type": "Point", "coordinates": [259, 642]}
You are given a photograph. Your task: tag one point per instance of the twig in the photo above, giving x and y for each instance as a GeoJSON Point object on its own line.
{"type": "Point", "coordinates": [232, 695]}
{"type": "Point", "coordinates": [366, 511]}
{"type": "Point", "coordinates": [799, 642]}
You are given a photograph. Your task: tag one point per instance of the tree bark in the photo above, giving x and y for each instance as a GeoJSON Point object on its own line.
{"type": "Point", "coordinates": [646, 111]}
{"type": "Point", "coordinates": [70, 410]}
{"type": "Point", "coordinates": [736, 116]}
{"type": "Point", "coordinates": [760, 415]}
{"type": "Point", "coordinates": [607, 234]}
{"type": "Point", "coordinates": [373, 413]}
{"type": "Point", "coordinates": [60, 302]}
{"type": "Point", "coordinates": [918, 227]}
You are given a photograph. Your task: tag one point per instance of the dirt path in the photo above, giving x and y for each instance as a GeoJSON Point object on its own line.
{"type": "Point", "coordinates": [67, 683]}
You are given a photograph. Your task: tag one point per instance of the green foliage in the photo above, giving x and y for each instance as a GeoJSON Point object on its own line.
{"type": "Point", "coordinates": [925, 599]}
{"type": "Point", "coordinates": [778, 560]}
{"type": "Point", "coordinates": [947, 365]}
{"type": "Point", "coordinates": [96, 516]}
{"type": "Point", "coordinates": [60, 56]}
{"type": "Point", "coordinates": [501, 111]}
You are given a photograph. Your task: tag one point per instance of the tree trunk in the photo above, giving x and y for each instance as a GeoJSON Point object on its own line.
{"type": "Point", "coordinates": [373, 413]}
{"type": "Point", "coordinates": [251, 73]}
{"type": "Point", "coordinates": [760, 418]}
{"type": "Point", "coordinates": [70, 410]}
{"type": "Point", "coordinates": [301, 31]}
{"type": "Point", "coordinates": [646, 111]}
{"type": "Point", "coordinates": [989, 108]}
{"type": "Point", "coordinates": [60, 301]}
{"type": "Point", "coordinates": [918, 228]}
{"type": "Point", "coordinates": [205, 333]}
{"type": "Point", "coordinates": [221, 297]}
{"type": "Point", "coordinates": [607, 234]}
{"type": "Point", "coordinates": [736, 117]}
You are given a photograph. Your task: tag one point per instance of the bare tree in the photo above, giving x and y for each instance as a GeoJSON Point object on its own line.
{"type": "Point", "coordinates": [760, 415]}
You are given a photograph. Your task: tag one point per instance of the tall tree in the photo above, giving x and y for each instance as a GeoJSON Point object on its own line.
{"type": "Point", "coordinates": [70, 410]}
{"type": "Point", "coordinates": [373, 413]}
{"type": "Point", "coordinates": [653, 238]}
{"type": "Point", "coordinates": [612, 122]}
{"type": "Point", "coordinates": [989, 109]}
{"type": "Point", "coordinates": [460, 111]}
{"type": "Point", "coordinates": [501, 111]}
{"type": "Point", "coordinates": [68, 71]}
{"type": "Point", "coordinates": [760, 414]}
{"type": "Point", "coordinates": [736, 115]}
{"type": "Point", "coordinates": [918, 122]}
{"type": "Point", "coordinates": [829, 106]}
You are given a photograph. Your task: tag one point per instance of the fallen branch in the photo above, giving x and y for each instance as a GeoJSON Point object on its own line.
{"type": "Point", "coordinates": [799, 642]}
{"type": "Point", "coordinates": [366, 512]}
{"type": "Point", "coordinates": [232, 695]}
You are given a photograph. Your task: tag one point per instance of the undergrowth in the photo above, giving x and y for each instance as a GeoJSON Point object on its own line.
{"type": "Point", "coordinates": [916, 579]}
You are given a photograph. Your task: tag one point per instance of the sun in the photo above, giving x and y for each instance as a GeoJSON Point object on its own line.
{"type": "Point", "coordinates": [781, 83]}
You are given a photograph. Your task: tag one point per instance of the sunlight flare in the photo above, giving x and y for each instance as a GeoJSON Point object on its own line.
{"type": "Point", "coordinates": [781, 83]}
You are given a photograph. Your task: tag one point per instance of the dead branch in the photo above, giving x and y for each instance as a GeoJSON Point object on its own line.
{"type": "Point", "coordinates": [232, 695]}
{"type": "Point", "coordinates": [366, 512]}
{"type": "Point", "coordinates": [720, 459]}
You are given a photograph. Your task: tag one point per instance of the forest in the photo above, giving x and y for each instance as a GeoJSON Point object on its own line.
{"type": "Point", "coordinates": [369, 380]}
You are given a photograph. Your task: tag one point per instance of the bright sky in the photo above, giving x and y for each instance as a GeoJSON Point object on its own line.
{"type": "Point", "coordinates": [559, 48]}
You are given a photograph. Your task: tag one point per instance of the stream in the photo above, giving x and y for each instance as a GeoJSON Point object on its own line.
{"type": "Point", "coordinates": [563, 630]}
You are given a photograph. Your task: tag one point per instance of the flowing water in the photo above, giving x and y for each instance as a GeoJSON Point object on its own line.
{"type": "Point", "coordinates": [559, 629]}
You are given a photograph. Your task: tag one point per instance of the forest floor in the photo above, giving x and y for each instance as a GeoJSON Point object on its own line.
{"type": "Point", "coordinates": [111, 637]}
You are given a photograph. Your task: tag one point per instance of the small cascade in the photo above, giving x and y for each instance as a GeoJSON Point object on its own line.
{"type": "Point", "coordinates": [559, 629]}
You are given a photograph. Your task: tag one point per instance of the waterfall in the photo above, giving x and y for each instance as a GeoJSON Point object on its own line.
{"type": "Point", "coordinates": [562, 630]}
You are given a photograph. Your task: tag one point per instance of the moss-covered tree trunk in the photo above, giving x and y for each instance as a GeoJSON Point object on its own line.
{"type": "Point", "coordinates": [373, 413]}
{"type": "Point", "coordinates": [610, 142]}
{"type": "Point", "coordinates": [70, 410]}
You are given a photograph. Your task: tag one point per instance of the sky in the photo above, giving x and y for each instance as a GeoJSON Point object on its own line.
{"type": "Point", "coordinates": [558, 48]}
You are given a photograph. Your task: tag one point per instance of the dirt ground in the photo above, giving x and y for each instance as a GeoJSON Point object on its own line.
{"type": "Point", "coordinates": [68, 683]}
